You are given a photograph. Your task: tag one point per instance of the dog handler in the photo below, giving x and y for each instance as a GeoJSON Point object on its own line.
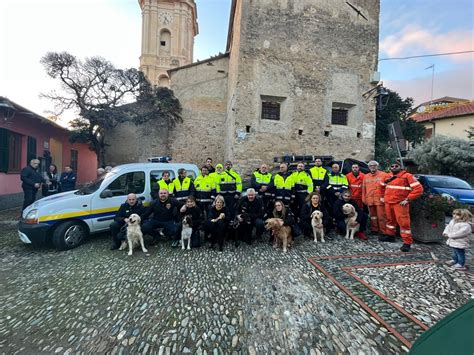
{"type": "Point", "coordinates": [119, 234]}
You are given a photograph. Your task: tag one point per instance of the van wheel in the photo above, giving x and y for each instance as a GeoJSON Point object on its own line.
{"type": "Point", "coordinates": [69, 235]}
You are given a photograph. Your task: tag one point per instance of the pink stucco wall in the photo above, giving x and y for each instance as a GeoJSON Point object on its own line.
{"type": "Point", "coordinates": [28, 125]}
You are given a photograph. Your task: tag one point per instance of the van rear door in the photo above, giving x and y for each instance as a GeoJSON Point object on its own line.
{"type": "Point", "coordinates": [112, 195]}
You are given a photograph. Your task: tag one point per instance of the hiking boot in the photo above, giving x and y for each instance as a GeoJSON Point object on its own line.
{"type": "Point", "coordinates": [387, 238]}
{"type": "Point", "coordinates": [450, 262]}
{"type": "Point", "coordinates": [405, 248]}
{"type": "Point", "coordinates": [361, 235]}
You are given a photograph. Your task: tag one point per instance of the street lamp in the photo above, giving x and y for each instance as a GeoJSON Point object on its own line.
{"type": "Point", "coordinates": [7, 110]}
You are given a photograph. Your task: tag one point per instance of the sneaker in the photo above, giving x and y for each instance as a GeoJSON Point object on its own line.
{"type": "Point", "coordinates": [405, 248]}
{"type": "Point", "coordinates": [459, 267]}
{"type": "Point", "coordinates": [175, 244]}
{"type": "Point", "coordinates": [450, 262]}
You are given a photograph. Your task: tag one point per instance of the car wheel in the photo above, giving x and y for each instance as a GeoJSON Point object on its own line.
{"type": "Point", "coordinates": [69, 235]}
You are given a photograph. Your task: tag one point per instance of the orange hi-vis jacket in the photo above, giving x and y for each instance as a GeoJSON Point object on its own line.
{"type": "Point", "coordinates": [372, 189]}
{"type": "Point", "coordinates": [400, 187]}
{"type": "Point", "coordinates": [355, 185]}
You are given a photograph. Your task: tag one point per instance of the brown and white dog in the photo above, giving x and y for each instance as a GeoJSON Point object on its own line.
{"type": "Point", "coordinates": [351, 217]}
{"type": "Point", "coordinates": [134, 235]}
{"type": "Point", "coordinates": [187, 231]}
{"type": "Point", "coordinates": [281, 234]}
{"type": "Point", "coordinates": [317, 224]}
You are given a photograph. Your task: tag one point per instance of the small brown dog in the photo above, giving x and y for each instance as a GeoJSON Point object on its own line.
{"type": "Point", "coordinates": [281, 234]}
{"type": "Point", "coordinates": [317, 224]}
{"type": "Point", "coordinates": [351, 218]}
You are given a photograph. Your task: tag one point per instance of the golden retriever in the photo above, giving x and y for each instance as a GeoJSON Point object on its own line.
{"type": "Point", "coordinates": [134, 235]}
{"type": "Point", "coordinates": [351, 217]}
{"type": "Point", "coordinates": [317, 224]}
{"type": "Point", "coordinates": [281, 234]}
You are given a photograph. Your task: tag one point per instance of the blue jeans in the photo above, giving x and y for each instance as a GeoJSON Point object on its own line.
{"type": "Point", "coordinates": [459, 256]}
{"type": "Point", "coordinates": [169, 227]}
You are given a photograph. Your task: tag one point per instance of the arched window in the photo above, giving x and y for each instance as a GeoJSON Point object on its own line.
{"type": "Point", "coordinates": [164, 44]}
{"type": "Point", "coordinates": [163, 80]}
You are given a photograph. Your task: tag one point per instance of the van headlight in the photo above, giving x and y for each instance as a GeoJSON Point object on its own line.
{"type": "Point", "coordinates": [448, 196]}
{"type": "Point", "coordinates": [31, 217]}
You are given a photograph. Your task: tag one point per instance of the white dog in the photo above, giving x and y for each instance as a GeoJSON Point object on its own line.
{"type": "Point", "coordinates": [187, 231]}
{"type": "Point", "coordinates": [134, 234]}
{"type": "Point", "coordinates": [317, 224]}
{"type": "Point", "coordinates": [351, 217]}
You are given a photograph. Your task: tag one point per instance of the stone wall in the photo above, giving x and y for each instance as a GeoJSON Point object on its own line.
{"type": "Point", "coordinates": [129, 143]}
{"type": "Point", "coordinates": [202, 90]}
{"type": "Point", "coordinates": [310, 55]}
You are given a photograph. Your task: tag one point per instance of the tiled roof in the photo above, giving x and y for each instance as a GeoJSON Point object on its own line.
{"type": "Point", "coordinates": [443, 99]}
{"type": "Point", "coordinates": [459, 110]}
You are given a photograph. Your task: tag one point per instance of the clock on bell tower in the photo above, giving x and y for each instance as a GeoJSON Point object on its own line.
{"type": "Point", "coordinates": [168, 31]}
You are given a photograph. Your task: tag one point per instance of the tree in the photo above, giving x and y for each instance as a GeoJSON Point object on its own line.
{"type": "Point", "coordinates": [396, 109]}
{"type": "Point", "coordinates": [470, 132]}
{"type": "Point", "coordinates": [445, 156]}
{"type": "Point", "coordinates": [104, 97]}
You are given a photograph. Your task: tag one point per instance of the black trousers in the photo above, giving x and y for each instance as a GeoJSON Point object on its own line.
{"type": "Point", "coordinates": [29, 197]}
{"type": "Point", "coordinates": [118, 235]}
{"type": "Point", "coordinates": [217, 231]}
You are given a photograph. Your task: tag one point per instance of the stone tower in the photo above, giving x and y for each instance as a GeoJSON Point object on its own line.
{"type": "Point", "coordinates": [168, 30]}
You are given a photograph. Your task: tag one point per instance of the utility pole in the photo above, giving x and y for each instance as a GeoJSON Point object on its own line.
{"type": "Point", "coordinates": [432, 66]}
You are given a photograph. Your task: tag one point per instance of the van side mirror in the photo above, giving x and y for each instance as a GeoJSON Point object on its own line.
{"type": "Point", "coordinates": [106, 193]}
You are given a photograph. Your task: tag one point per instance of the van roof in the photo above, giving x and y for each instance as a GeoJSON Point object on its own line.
{"type": "Point", "coordinates": [186, 166]}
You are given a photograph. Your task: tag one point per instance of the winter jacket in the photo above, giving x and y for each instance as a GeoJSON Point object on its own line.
{"type": "Point", "coordinates": [30, 177]}
{"type": "Point", "coordinates": [196, 215]}
{"type": "Point", "coordinates": [68, 181]}
{"type": "Point", "coordinates": [308, 209]}
{"type": "Point", "coordinates": [339, 214]}
{"type": "Point", "coordinates": [458, 234]}
{"type": "Point", "coordinates": [288, 218]}
{"type": "Point", "coordinates": [254, 209]}
{"type": "Point", "coordinates": [126, 210]}
{"type": "Point", "coordinates": [401, 186]}
{"type": "Point", "coordinates": [213, 213]}
{"type": "Point", "coordinates": [163, 211]}
{"type": "Point", "coordinates": [372, 191]}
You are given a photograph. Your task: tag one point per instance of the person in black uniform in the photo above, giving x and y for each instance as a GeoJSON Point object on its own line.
{"type": "Point", "coordinates": [119, 234]}
{"type": "Point", "coordinates": [31, 182]}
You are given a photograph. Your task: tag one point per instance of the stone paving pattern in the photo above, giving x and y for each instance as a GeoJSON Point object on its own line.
{"type": "Point", "coordinates": [249, 300]}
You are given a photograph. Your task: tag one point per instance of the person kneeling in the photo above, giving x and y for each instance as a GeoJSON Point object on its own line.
{"type": "Point", "coordinates": [314, 204]}
{"type": "Point", "coordinates": [118, 226]}
{"type": "Point", "coordinates": [218, 219]}
{"type": "Point", "coordinates": [194, 211]}
{"type": "Point", "coordinates": [165, 213]}
{"type": "Point", "coordinates": [287, 217]}
{"type": "Point", "coordinates": [340, 217]}
{"type": "Point", "coordinates": [250, 212]}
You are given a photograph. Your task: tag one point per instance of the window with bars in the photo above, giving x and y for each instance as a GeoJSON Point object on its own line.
{"type": "Point", "coordinates": [74, 159]}
{"type": "Point", "coordinates": [270, 110]}
{"type": "Point", "coordinates": [339, 116]}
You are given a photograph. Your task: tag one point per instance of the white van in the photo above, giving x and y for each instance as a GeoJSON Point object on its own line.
{"type": "Point", "coordinates": [66, 219]}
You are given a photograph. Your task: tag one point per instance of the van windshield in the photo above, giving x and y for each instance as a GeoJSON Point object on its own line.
{"type": "Point", "coordinates": [93, 186]}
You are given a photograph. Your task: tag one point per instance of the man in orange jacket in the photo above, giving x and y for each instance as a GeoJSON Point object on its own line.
{"type": "Point", "coordinates": [355, 179]}
{"type": "Point", "coordinates": [372, 196]}
{"type": "Point", "coordinates": [399, 189]}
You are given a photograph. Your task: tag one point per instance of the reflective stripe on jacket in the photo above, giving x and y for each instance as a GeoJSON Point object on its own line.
{"type": "Point", "coordinates": [205, 188]}
{"type": "Point", "coordinates": [181, 190]}
{"type": "Point", "coordinates": [372, 189]}
{"type": "Point", "coordinates": [402, 186]}
{"type": "Point", "coordinates": [318, 173]}
{"type": "Point", "coordinates": [337, 182]}
{"type": "Point", "coordinates": [283, 187]}
{"type": "Point", "coordinates": [302, 182]}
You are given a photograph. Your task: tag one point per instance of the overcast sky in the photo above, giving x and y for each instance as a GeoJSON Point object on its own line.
{"type": "Point", "coordinates": [112, 29]}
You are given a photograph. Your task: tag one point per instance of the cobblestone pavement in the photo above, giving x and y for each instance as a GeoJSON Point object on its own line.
{"type": "Point", "coordinates": [249, 300]}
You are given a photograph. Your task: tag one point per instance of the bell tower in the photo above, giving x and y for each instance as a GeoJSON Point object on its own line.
{"type": "Point", "coordinates": [168, 31]}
